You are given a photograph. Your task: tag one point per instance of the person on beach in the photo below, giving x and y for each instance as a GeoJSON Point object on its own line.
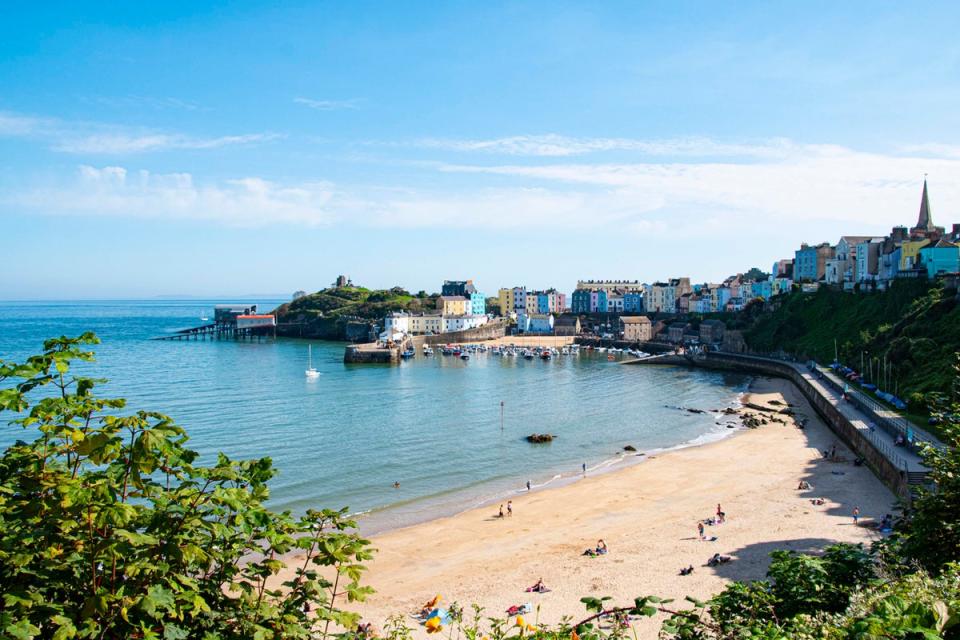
{"type": "Point", "coordinates": [584, 467]}
{"type": "Point", "coordinates": [538, 587]}
{"type": "Point", "coordinates": [396, 485]}
{"type": "Point", "coordinates": [721, 516]}
{"type": "Point", "coordinates": [856, 515]}
{"type": "Point", "coordinates": [700, 530]}
{"type": "Point", "coordinates": [601, 547]}
{"type": "Point", "coordinates": [509, 508]}
{"type": "Point", "coordinates": [500, 515]}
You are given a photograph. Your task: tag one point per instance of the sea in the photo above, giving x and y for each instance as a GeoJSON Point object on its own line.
{"type": "Point", "coordinates": [435, 424]}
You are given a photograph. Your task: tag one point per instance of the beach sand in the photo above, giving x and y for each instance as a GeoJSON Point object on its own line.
{"type": "Point", "coordinates": [529, 341]}
{"type": "Point", "coordinates": [648, 515]}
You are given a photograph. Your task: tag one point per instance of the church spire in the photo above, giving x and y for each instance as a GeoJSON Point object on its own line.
{"type": "Point", "coordinates": [925, 221]}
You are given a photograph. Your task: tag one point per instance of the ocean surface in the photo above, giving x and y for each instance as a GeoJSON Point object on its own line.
{"type": "Point", "coordinates": [433, 424]}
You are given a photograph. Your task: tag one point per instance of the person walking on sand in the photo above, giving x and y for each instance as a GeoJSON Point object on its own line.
{"type": "Point", "coordinates": [500, 515]}
{"type": "Point", "coordinates": [584, 467]}
{"type": "Point", "coordinates": [509, 508]}
{"type": "Point", "coordinates": [856, 515]}
{"type": "Point", "coordinates": [528, 485]}
{"type": "Point", "coordinates": [700, 530]}
{"type": "Point", "coordinates": [720, 514]}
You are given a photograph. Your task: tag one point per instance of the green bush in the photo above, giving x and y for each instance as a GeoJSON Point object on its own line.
{"type": "Point", "coordinates": [109, 528]}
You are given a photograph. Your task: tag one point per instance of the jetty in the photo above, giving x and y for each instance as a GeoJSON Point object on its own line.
{"type": "Point", "coordinates": [230, 322]}
{"type": "Point", "coordinates": [376, 352]}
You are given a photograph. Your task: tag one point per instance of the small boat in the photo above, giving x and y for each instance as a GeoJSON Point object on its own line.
{"type": "Point", "coordinates": [545, 354]}
{"type": "Point", "coordinates": [464, 356]}
{"type": "Point", "coordinates": [203, 316]}
{"type": "Point", "coordinates": [310, 372]}
{"type": "Point", "coordinates": [409, 353]}
{"type": "Point", "coordinates": [427, 351]}
{"type": "Point", "coordinates": [528, 354]}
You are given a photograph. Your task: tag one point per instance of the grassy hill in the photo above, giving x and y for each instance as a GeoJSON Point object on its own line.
{"type": "Point", "coordinates": [326, 313]}
{"type": "Point", "coordinates": [915, 326]}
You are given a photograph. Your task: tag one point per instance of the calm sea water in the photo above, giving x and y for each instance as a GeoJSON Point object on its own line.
{"type": "Point", "coordinates": [342, 439]}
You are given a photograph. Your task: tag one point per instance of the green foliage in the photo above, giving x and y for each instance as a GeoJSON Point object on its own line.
{"type": "Point", "coordinates": [324, 314]}
{"type": "Point", "coordinates": [109, 529]}
{"type": "Point", "coordinates": [931, 531]}
{"type": "Point", "coordinates": [915, 325]}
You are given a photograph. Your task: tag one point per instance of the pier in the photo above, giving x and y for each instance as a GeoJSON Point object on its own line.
{"type": "Point", "coordinates": [231, 322]}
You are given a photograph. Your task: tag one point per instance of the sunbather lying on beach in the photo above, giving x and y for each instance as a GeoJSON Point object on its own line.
{"type": "Point", "coordinates": [599, 550]}
{"type": "Point", "coordinates": [539, 587]}
{"type": "Point", "coordinates": [818, 501]}
{"type": "Point", "coordinates": [716, 559]}
{"type": "Point", "coordinates": [518, 609]}
{"type": "Point", "coordinates": [803, 486]}
{"type": "Point", "coordinates": [686, 570]}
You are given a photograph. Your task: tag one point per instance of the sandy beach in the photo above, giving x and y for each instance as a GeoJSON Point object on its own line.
{"type": "Point", "coordinates": [648, 515]}
{"type": "Point", "coordinates": [529, 341]}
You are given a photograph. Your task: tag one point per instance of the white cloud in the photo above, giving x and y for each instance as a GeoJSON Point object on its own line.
{"type": "Point", "coordinates": [809, 182]}
{"type": "Point", "coordinates": [115, 191]}
{"type": "Point", "coordinates": [824, 186]}
{"type": "Point", "coordinates": [120, 144]}
{"type": "Point", "coordinates": [97, 138]}
{"type": "Point", "coordinates": [553, 145]}
{"type": "Point", "coordinates": [329, 105]}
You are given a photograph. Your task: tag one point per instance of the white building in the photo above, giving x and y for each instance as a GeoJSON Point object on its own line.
{"type": "Point", "coordinates": [462, 323]}
{"type": "Point", "coordinates": [535, 323]}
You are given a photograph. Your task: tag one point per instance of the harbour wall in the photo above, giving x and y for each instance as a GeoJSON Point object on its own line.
{"type": "Point", "coordinates": [894, 477]}
{"type": "Point", "coordinates": [489, 331]}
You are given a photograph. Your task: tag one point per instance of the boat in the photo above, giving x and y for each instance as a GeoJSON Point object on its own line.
{"type": "Point", "coordinates": [409, 353]}
{"type": "Point", "coordinates": [427, 351]}
{"type": "Point", "coordinates": [528, 354]}
{"type": "Point", "coordinates": [203, 316]}
{"type": "Point", "coordinates": [310, 372]}
{"type": "Point", "coordinates": [545, 354]}
{"type": "Point", "coordinates": [464, 356]}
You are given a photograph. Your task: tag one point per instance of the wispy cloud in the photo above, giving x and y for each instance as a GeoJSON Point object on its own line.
{"type": "Point", "coordinates": [837, 188]}
{"type": "Point", "coordinates": [159, 103]}
{"type": "Point", "coordinates": [553, 145]}
{"type": "Point", "coordinates": [120, 144]}
{"type": "Point", "coordinates": [329, 105]}
{"type": "Point", "coordinates": [98, 138]}
{"type": "Point", "coordinates": [116, 191]}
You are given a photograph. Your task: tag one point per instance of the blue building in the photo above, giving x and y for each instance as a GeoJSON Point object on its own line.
{"type": "Point", "coordinates": [633, 302]}
{"type": "Point", "coordinates": [943, 257]}
{"type": "Point", "coordinates": [580, 301]}
{"type": "Point", "coordinates": [478, 303]}
{"type": "Point", "coordinates": [762, 289]}
{"type": "Point", "coordinates": [602, 301]}
{"type": "Point", "coordinates": [809, 263]}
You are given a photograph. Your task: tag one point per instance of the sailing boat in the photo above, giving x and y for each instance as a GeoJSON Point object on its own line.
{"type": "Point", "coordinates": [311, 372]}
{"type": "Point", "coordinates": [203, 316]}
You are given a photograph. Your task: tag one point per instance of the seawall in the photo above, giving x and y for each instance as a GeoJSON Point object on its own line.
{"type": "Point", "coordinates": [881, 462]}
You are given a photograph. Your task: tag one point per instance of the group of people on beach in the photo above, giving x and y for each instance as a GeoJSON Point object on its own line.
{"type": "Point", "coordinates": [509, 510]}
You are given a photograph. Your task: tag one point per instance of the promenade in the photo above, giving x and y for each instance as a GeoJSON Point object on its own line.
{"type": "Point", "coordinates": [883, 439]}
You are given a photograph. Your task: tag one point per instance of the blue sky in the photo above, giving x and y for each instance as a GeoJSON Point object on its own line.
{"type": "Point", "coordinates": [187, 148]}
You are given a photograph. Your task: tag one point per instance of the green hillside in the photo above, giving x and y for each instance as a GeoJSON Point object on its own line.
{"type": "Point", "coordinates": [326, 313]}
{"type": "Point", "coordinates": [915, 326]}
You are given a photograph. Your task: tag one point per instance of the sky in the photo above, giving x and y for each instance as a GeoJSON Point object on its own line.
{"type": "Point", "coordinates": [194, 148]}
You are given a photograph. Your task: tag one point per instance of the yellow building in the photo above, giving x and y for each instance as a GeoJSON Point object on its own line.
{"type": "Point", "coordinates": [910, 253]}
{"type": "Point", "coordinates": [425, 324]}
{"type": "Point", "coordinates": [453, 305]}
{"type": "Point", "coordinates": [506, 301]}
